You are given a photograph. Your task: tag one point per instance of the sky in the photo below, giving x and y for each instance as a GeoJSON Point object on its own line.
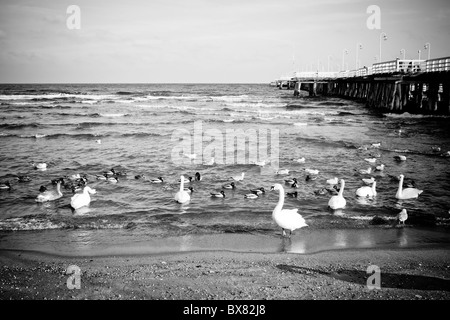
{"type": "Point", "coordinates": [208, 41]}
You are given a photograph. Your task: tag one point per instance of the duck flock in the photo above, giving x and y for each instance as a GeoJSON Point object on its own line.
{"type": "Point", "coordinates": [286, 219]}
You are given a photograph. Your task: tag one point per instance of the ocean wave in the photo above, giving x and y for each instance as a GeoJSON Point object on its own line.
{"type": "Point", "coordinates": [89, 101]}
{"type": "Point", "coordinates": [413, 116]}
{"type": "Point", "coordinates": [331, 103]}
{"type": "Point", "coordinates": [16, 126]}
{"type": "Point", "coordinates": [114, 115]}
{"type": "Point", "coordinates": [327, 142]}
{"type": "Point", "coordinates": [55, 96]}
{"type": "Point", "coordinates": [19, 224]}
{"type": "Point", "coordinates": [141, 134]}
{"type": "Point", "coordinates": [239, 98]}
{"type": "Point", "coordinates": [125, 93]}
{"type": "Point", "coordinates": [32, 224]}
{"type": "Point", "coordinates": [51, 136]}
{"type": "Point", "coordinates": [88, 115]}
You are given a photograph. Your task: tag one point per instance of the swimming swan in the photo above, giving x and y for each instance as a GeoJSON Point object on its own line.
{"type": "Point", "coordinates": [182, 196]}
{"type": "Point", "coordinates": [287, 219]}
{"type": "Point", "coordinates": [82, 199]}
{"type": "Point", "coordinates": [312, 171]}
{"type": "Point", "coordinates": [407, 193]}
{"type": "Point", "coordinates": [300, 160]}
{"type": "Point", "coordinates": [369, 181]}
{"type": "Point", "coordinates": [367, 191]}
{"type": "Point", "coordinates": [333, 181]}
{"type": "Point", "coordinates": [239, 178]}
{"type": "Point", "coordinates": [338, 202]}
{"type": "Point", "coordinates": [283, 171]}
{"type": "Point", "coordinates": [50, 195]}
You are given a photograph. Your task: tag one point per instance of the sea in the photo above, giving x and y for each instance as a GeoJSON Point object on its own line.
{"type": "Point", "coordinates": [146, 131]}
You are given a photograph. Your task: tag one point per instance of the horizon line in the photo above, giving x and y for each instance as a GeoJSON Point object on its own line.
{"type": "Point", "coordinates": [7, 83]}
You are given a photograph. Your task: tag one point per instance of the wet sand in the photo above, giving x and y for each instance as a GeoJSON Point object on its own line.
{"type": "Point", "coordinates": [410, 274]}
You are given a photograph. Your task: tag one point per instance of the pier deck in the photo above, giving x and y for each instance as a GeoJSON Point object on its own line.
{"type": "Point", "coordinates": [419, 86]}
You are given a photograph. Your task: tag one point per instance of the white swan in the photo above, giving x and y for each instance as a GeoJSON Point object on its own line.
{"type": "Point", "coordinates": [407, 193]}
{"type": "Point", "coordinates": [287, 219]}
{"type": "Point", "coordinates": [376, 145]}
{"type": "Point", "coordinates": [239, 178]}
{"type": "Point", "coordinates": [380, 167]}
{"type": "Point", "coordinates": [364, 171]}
{"type": "Point", "coordinates": [371, 160]}
{"type": "Point", "coordinates": [300, 160]}
{"type": "Point", "coordinates": [50, 195]}
{"type": "Point", "coordinates": [367, 191]}
{"type": "Point", "coordinates": [283, 171]}
{"type": "Point", "coordinates": [312, 171]}
{"type": "Point", "coordinates": [369, 181]}
{"type": "Point", "coordinates": [182, 196]}
{"type": "Point", "coordinates": [338, 202]}
{"type": "Point", "coordinates": [82, 199]}
{"type": "Point", "coordinates": [251, 196]}
{"type": "Point", "coordinates": [333, 181]}
{"type": "Point", "coordinates": [402, 216]}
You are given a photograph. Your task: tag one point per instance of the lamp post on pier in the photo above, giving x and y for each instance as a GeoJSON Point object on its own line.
{"type": "Point", "coordinates": [419, 52]}
{"type": "Point", "coordinates": [403, 51]}
{"type": "Point", "coordinates": [344, 52]}
{"type": "Point", "coordinates": [383, 36]}
{"type": "Point", "coordinates": [427, 46]}
{"type": "Point", "coordinates": [358, 47]}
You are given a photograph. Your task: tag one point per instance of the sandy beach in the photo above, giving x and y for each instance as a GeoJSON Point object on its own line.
{"type": "Point", "coordinates": [406, 274]}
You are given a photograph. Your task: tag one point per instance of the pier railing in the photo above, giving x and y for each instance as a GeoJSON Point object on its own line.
{"type": "Point", "coordinates": [386, 67]}
{"type": "Point", "coordinates": [437, 65]}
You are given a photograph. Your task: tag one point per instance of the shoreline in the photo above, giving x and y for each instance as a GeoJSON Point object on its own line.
{"type": "Point", "coordinates": [411, 274]}
{"type": "Point", "coordinates": [96, 243]}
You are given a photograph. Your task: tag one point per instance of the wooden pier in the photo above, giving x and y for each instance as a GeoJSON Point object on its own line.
{"type": "Point", "coordinates": [415, 86]}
